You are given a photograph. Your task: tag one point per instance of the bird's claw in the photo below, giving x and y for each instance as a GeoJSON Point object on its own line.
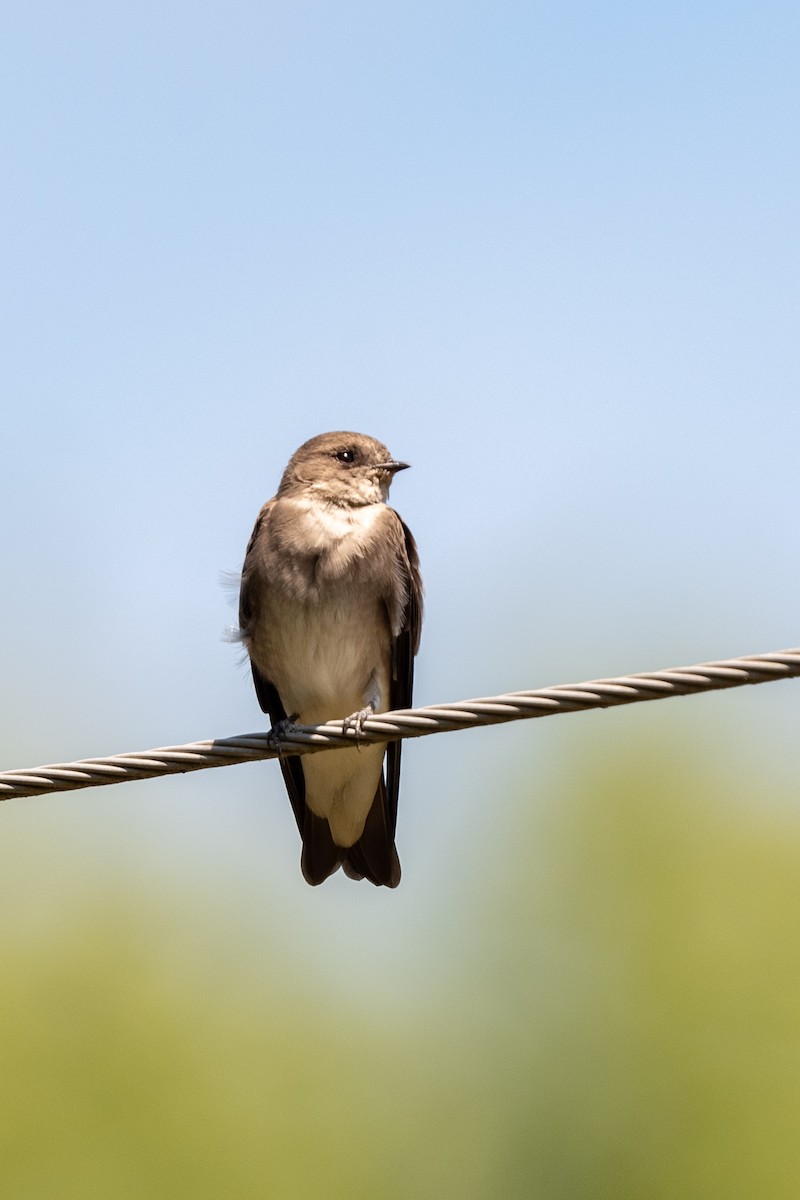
{"type": "Point", "coordinates": [281, 730]}
{"type": "Point", "coordinates": [356, 720]}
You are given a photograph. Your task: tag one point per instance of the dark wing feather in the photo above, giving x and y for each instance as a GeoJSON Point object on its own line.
{"type": "Point", "coordinates": [405, 647]}
{"type": "Point", "coordinates": [267, 693]}
{"type": "Point", "coordinates": [291, 768]}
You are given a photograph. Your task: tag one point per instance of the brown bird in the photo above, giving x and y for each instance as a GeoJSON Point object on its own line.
{"type": "Point", "coordinates": [330, 611]}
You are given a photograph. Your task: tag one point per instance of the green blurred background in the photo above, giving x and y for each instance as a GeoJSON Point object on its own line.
{"type": "Point", "coordinates": [604, 1004]}
{"type": "Point", "coordinates": [549, 254]}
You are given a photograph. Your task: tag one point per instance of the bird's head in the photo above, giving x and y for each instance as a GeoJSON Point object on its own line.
{"type": "Point", "coordinates": [348, 469]}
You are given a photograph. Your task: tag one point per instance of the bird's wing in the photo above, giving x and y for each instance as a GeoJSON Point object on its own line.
{"type": "Point", "coordinates": [250, 596]}
{"type": "Point", "coordinates": [404, 646]}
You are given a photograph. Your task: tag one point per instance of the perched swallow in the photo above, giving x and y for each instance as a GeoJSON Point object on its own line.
{"type": "Point", "coordinates": [330, 612]}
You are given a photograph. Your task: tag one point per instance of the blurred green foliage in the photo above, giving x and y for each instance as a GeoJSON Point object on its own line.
{"type": "Point", "coordinates": [620, 1019]}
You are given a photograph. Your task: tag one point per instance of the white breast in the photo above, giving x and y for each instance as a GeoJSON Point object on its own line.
{"type": "Point", "coordinates": [327, 649]}
{"type": "Point", "coordinates": [324, 523]}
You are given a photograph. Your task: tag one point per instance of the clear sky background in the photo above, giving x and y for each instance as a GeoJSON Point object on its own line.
{"type": "Point", "coordinates": [547, 252]}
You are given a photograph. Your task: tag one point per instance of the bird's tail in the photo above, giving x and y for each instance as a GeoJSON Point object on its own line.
{"type": "Point", "coordinates": [321, 856]}
{"type": "Point", "coordinates": [374, 855]}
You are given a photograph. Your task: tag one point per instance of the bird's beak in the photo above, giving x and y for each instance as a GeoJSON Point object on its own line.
{"type": "Point", "coordinates": [393, 467]}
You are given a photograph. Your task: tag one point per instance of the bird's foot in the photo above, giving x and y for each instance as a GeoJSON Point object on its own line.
{"type": "Point", "coordinates": [279, 731]}
{"type": "Point", "coordinates": [356, 720]}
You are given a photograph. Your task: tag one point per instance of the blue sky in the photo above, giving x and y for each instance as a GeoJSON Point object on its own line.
{"type": "Point", "coordinates": [547, 252]}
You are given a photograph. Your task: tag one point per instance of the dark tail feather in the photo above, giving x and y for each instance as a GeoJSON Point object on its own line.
{"type": "Point", "coordinates": [321, 856]}
{"type": "Point", "coordinates": [374, 856]}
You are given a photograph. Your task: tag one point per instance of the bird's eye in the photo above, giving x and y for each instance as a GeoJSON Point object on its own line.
{"type": "Point", "coordinates": [345, 456]}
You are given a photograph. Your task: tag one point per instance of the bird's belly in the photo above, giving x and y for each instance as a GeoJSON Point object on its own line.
{"type": "Point", "coordinates": [324, 658]}
{"type": "Point", "coordinates": [341, 786]}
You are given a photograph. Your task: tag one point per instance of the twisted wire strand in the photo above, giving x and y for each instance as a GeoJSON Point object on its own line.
{"type": "Point", "coordinates": [404, 723]}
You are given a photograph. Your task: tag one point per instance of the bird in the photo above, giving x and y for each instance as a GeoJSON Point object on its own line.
{"type": "Point", "coordinates": [330, 613]}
